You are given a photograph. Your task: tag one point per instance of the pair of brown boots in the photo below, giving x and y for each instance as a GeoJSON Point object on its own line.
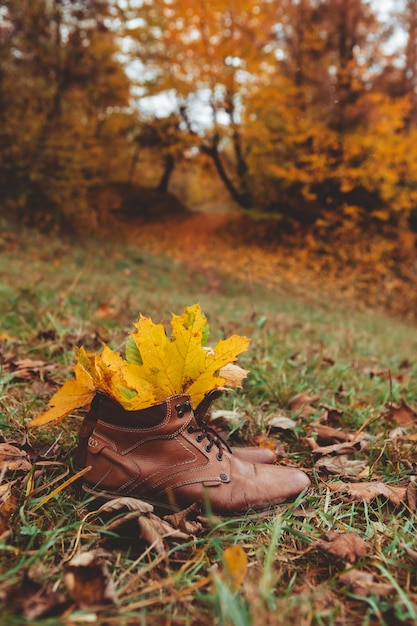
{"type": "Point", "coordinates": [168, 456]}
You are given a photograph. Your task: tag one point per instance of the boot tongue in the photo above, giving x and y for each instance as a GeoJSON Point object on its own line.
{"type": "Point", "coordinates": [202, 409]}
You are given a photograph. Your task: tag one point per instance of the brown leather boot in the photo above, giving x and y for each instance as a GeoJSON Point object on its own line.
{"type": "Point", "coordinates": [162, 455]}
{"type": "Point", "coordinates": [104, 406]}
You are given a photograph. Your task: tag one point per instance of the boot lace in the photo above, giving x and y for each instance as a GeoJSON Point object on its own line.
{"type": "Point", "coordinates": [204, 431]}
{"type": "Point", "coordinates": [214, 439]}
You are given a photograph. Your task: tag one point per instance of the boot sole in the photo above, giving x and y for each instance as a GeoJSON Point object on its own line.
{"type": "Point", "coordinates": [165, 508]}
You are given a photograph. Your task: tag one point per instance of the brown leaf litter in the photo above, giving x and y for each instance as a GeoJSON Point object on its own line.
{"type": "Point", "coordinates": [368, 491]}
{"type": "Point", "coordinates": [328, 435]}
{"type": "Point", "coordinates": [364, 584]}
{"type": "Point", "coordinates": [151, 528]}
{"type": "Point", "coordinates": [346, 546]}
{"type": "Point", "coordinates": [14, 459]}
{"type": "Point", "coordinates": [33, 599]}
{"type": "Point", "coordinates": [401, 413]}
{"type": "Point", "coordinates": [342, 466]}
{"type": "Point", "coordinates": [302, 403]}
{"type": "Point", "coordinates": [88, 580]}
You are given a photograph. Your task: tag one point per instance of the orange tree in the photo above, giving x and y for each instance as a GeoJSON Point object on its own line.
{"type": "Point", "coordinates": [325, 133]}
{"type": "Point", "coordinates": [63, 107]}
{"type": "Point", "coordinates": [287, 98]}
{"type": "Point", "coordinates": [205, 56]}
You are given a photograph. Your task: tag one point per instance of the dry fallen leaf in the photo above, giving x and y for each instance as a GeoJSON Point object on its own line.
{"type": "Point", "coordinates": [124, 502]}
{"type": "Point", "coordinates": [302, 402]}
{"type": "Point", "coordinates": [88, 580]}
{"type": "Point", "coordinates": [387, 374]}
{"type": "Point", "coordinates": [9, 502]}
{"type": "Point", "coordinates": [332, 415]}
{"type": "Point", "coordinates": [397, 433]}
{"type": "Point", "coordinates": [412, 554]}
{"type": "Point", "coordinates": [189, 520]}
{"type": "Point", "coordinates": [233, 374]}
{"type": "Point", "coordinates": [384, 373]}
{"type": "Point", "coordinates": [346, 546]}
{"type": "Point", "coordinates": [337, 449]}
{"type": "Point", "coordinates": [328, 434]}
{"type": "Point", "coordinates": [233, 418]}
{"type": "Point", "coordinates": [341, 465]}
{"type": "Point", "coordinates": [13, 459]}
{"type": "Point", "coordinates": [104, 311]}
{"type": "Point", "coordinates": [368, 491]}
{"type": "Point", "coordinates": [154, 530]}
{"type": "Point", "coordinates": [282, 423]}
{"type": "Point", "coordinates": [27, 369]}
{"type": "Point", "coordinates": [363, 584]}
{"type": "Point", "coordinates": [34, 599]}
{"type": "Point", "coordinates": [411, 496]}
{"type": "Point", "coordinates": [236, 564]}
{"type": "Point", "coordinates": [402, 413]}
{"type": "Point", "coordinates": [264, 442]}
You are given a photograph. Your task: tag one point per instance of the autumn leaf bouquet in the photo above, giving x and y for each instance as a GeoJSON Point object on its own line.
{"type": "Point", "coordinates": [156, 365]}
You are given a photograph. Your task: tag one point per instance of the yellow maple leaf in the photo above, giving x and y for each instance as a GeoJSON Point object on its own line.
{"type": "Point", "coordinates": [74, 394]}
{"type": "Point", "coordinates": [211, 362]}
{"type": "Point", "coordinates": [187, 343]}
{"type": "Point", "coordinates": [181, 363]}
{"type": "Point", "coordinates": [104, 369]}
{"type": "Point", "coordinates": [159, 366]}
{"type": "Point", "coordinates": [107, 370]}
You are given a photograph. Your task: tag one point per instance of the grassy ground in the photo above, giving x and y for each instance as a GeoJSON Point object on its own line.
{"type": "Point", "coordinates": [55, 295]}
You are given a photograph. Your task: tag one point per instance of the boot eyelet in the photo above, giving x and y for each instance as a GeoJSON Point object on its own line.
{"type": "Point", "coordinates": [199, 438]}
{"type": "Point", "coordinates": [208, 448]}
{"type": "Point", "coordinates": [190, 429]}
{"type": "Point", "coordinates": [219, 456]}
{"type": "Point", "coordinates": [179, 409]}
{"type": "Point", "coordinates": [223, 476]}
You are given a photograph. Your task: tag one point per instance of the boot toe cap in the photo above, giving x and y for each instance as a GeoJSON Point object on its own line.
{"type": "Point", "coordinates": [300, 481]}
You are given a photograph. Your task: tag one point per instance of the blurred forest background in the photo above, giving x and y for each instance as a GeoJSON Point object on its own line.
{"type": "Point", "coordinates": [300, 111]}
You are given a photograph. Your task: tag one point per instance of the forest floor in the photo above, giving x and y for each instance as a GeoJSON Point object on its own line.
{"type": "Point", "coordinates": [332, 389]}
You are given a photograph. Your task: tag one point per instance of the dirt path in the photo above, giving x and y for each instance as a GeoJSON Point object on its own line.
{"type": "Point", "coordinates": [355, 269]}
{"type": "Point", "coordinates": [204, 243]}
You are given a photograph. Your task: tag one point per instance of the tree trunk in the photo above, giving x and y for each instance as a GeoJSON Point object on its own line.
{"type": "Point", "coordinates": [166, 176]}
{"type": "Point", "coordinates": [243, 199]}
{"type": "Point", "coordinates": [410, 68]}
{"type": "Point", "coordinates": [133, 162]}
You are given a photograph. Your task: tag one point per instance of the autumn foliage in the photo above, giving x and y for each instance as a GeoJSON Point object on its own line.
{"type": "Point", "coordinates": [299, 107]}
{"type": "Point", "coordinates": [156, 366]}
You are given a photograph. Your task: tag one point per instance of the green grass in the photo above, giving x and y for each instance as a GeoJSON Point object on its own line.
{"type": "Point", "coordinates": [58, 294]}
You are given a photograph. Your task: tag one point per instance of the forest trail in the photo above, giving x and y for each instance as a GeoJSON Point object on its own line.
{"type": "Point", "coordinates": [205, 243]}
{"type": "Point", "coordinates": [360, 270]}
